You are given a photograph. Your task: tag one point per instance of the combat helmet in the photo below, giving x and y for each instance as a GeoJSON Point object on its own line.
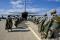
{"type": "Point", "coordinates": [45, 14]}
{"type": "Point", "coordinates": [53, 11]}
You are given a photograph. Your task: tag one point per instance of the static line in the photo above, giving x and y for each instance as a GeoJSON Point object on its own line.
{"type": "Point", "coordinates": [34, 33]}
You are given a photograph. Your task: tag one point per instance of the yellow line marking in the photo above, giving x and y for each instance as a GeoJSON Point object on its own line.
{"type": "Point", "coordinates": [35, 33]}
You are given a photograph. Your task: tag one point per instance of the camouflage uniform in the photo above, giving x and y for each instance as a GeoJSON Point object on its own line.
{"type": "Point", "coordinates": [48, 24]}
{"type": "Point", "coordinates": [41, 27]}
{"type": "Point", "coordinates": [31, 18]}
{"type": "Point", "coordinates": [39, 18]}
{"type": "Point", "coordinates": [9, 23]}
{"type": "Point", "coordinates": [55, 27]}
{"type": "Point", "coordinates": [34, 19]}
{"type": "Point", "coordinates": [37, 21]}
{"type": "Point", "coordinates": [17, 22]}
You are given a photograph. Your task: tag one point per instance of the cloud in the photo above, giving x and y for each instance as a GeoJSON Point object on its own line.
{"type": "Point", "coordinates": [21, 3]}
{"type": "Point", "coordinates": [41, 11]}
{"type": "Point", "coordinates": [58, 11]}
{"type": "Point", "coordinates": [3, 12]}
{"type": "Point", "coordinates": [54, 0]}
{"type": "Point", "coordinates": [16, 2]}
{"type": "Point", "coordinates": [18, 6]}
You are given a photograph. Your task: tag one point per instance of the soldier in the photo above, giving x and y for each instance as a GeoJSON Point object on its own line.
{"type": "Point", "coordinates": [39, 18]}
{"type": "Point", "coordinates": [33, 19]}
{"type": "Point", "coordinates": [6, 24]}
{"type": "Point", "coordinates": [48, 23]}
{"type": "Point", "coordinates": [17, 22]}
{"type": "Point", "coordinates": [0, 19]}
{"type": "Point", "coordinates": [41, 27]}
{"type": "Point", "coordinates": [9, 23]}
{"type": "Point", "coordinates": [54, 29]}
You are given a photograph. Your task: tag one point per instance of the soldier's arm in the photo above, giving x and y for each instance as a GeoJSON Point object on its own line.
{"type": "Point", "coordinates": [46, 22]}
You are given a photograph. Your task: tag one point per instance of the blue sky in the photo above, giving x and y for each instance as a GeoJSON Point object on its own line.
{"type": "Point", "coordinates": [40, 5]}
{"type": "Point", "coordinates": [4, 4]}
